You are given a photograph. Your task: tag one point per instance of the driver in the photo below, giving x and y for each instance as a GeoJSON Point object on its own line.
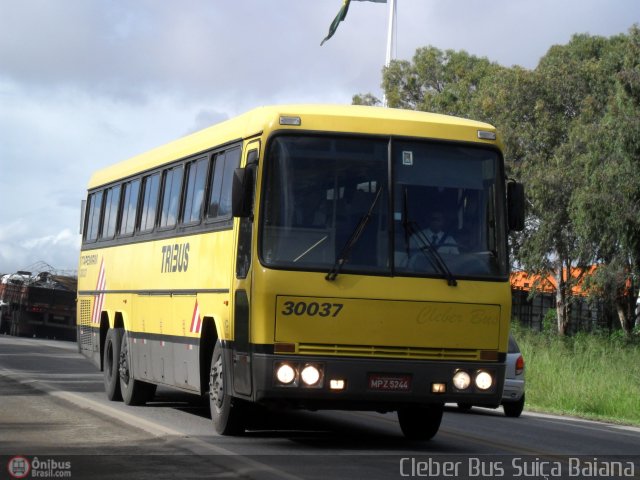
{"type": "Point", "coordinates": [437, 236]}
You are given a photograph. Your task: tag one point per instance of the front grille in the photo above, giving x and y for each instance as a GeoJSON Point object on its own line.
{"type": "Point", "coordinates": [388, 352]}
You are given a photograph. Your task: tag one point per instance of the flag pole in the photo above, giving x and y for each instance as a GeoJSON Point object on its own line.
{"type": "Point", "coordinates": [390, 35]}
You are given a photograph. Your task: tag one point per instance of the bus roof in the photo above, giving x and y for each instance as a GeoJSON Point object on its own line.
{"type": "Point", "coordinates": [328, 118]}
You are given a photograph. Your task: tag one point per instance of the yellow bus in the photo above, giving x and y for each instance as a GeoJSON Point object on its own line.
{"type": "Point", "coordinates": [305, 256]}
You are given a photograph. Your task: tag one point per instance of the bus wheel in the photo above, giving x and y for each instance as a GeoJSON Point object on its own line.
{"type": "Point", "coordinates": [513, 409]}
{"type": "Point", "coordinates": [226, 411]}
{"type": "Point", "coordinates": [110, 361]}
{"type": "Point", "coordinates": [134, 392]}
{"type": "Point", "coordinates": [420, 423]}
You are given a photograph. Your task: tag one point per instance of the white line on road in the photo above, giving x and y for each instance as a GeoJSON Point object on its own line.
{"type": "Point", "coordinates": [193, 445]}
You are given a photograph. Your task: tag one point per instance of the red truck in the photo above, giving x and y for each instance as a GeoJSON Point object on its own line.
{"type": "Point", "coordinates": [42, 305]}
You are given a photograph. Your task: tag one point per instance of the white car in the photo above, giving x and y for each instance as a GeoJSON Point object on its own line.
{"type": "Point", "coordinates": [513, 393]}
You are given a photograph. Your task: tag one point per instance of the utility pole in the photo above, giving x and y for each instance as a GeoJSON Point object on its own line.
{"type": "Point", "coordinates": [390, 35]}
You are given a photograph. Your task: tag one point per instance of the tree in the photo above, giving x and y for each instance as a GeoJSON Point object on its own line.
{"type": "Point", "coordinates": [365, 99]}
{"type": "Point", "coordinates": [607, 210]}
{"type": "Point", "coordinates": [435, 81]}
{"type": "Point", "coordinates": [571, 89]}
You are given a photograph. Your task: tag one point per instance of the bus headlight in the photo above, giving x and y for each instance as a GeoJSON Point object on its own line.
{"type": "Point", "coordinates": [461, 380]}
{"type": "Point", "coordinates": [311, 375]}
{"type": "Point", "coordinates": [484, 380]}
{"type": "Point", "coordinates": [285, 374]}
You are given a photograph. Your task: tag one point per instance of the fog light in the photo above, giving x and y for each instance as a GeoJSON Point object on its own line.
{"type": "Point", "coordinates": [310, 375]}
{"type": "Point", "coordinates": [461, 380]}
{"type": "Point", "coordinates": [285, 374]}
{"type": "Point", "coordinates": [438, 387]}
{"type": "Point", "coordinates": [484, 380]}
{"type": "Point", "coordinates": [336, 384]}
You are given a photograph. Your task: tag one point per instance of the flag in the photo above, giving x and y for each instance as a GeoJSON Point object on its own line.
{"type": "Point", "coordinates": [342, 13]}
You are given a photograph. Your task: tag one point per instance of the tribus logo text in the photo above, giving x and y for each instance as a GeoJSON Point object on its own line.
{"type": "Point", "coordinates": [175, 258]}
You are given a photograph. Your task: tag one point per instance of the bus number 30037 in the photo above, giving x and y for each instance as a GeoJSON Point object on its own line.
{"type": "Point", "coordinates": [312, 309]}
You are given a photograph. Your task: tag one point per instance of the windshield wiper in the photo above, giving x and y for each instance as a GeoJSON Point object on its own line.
{"type": "Point", "coordinates": [355, 235]}
{"type": "Point", "coordinates": [426, 246]}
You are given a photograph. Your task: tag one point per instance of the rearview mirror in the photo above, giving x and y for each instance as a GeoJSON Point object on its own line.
{"type": "Point", "coordinates": [242, 191]}
{"type": "Point", "coordinates": [515, 206]}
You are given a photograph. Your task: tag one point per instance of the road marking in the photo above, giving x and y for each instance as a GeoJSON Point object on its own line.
{"type": "Point", "coordinates": [193, 445]}
{"type": "Point", "coordinates": [587, 424]}
{"type": "Point", "coordinates": [64, 345]}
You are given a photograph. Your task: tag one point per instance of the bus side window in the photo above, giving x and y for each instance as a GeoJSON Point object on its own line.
{"type": "Point", "coordinates": [194, 193]}
{"type": "Point", "coordinates": [171, 189]}
{"type": "Point", "coordinates": [150, 188]}
{"type": "Point", "coordinates": [232, 161]}
{"type": "Point", "coordinates": [111, 204]}
{"type": "Point", "coordinates": [129, 207]}
{"type": "Point", "coordinates": [93, 218]}
{"type": "Point", "coordinates": [224, 164]}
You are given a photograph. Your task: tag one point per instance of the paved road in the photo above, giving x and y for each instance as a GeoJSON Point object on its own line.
{"type": "Point", "coordinates": [53, 410]}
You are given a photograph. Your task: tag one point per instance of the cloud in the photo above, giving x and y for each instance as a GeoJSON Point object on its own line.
{"type": "Point", "coordinates": [59, 249]}
{"type": "Point", "coordinates": [61, 239]}
{"type": "Point", "coordinates": [11, 230]}
{"type": "Point", "coordinates": [205, 118]}
{"type": "Point", "coordinates": [133, 51]}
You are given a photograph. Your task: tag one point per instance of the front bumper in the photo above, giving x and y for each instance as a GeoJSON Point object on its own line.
{"type": "Point", "coordinates": [371, 384]}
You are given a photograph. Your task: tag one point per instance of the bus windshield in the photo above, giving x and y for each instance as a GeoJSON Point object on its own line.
{"type": "Point", "coordinates": [383, 207]}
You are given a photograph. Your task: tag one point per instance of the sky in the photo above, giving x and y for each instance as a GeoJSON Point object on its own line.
{"type": "Point", "coordinates": [88, 83]}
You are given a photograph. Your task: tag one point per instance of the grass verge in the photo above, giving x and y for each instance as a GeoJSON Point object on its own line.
{"type": "Point", "coordinates": [593, 376]}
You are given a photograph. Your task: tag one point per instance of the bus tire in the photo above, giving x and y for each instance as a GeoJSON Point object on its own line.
{"type": "Point", "coordinates": [111, 356]}
{"type": "Point", "coordinates": [226, 411]}
{"type": "Point", "coordinates": [513, 409]}
{"type": "Point", "coordinates": [420, 422]}
{"type": "Point", "coordinates": [134, 392]}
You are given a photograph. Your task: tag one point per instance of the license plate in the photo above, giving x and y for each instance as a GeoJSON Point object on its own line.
{"type": "Point", "coordinates": [391, 383]}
